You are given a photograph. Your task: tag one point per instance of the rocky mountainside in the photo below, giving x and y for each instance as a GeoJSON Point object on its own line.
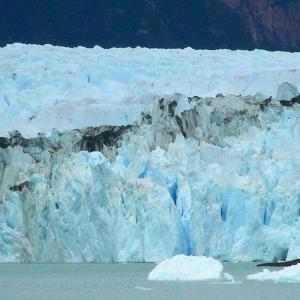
{"type": "Point", "coordinates": [273, 24]}
{"type": "Point", "coordinates": [201, 24]}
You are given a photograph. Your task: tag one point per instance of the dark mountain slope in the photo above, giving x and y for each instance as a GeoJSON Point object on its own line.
{"type": "Point", "coordinates": [168, 23]}
{"type": "Point", "coordinates": [273, 24]}
{"type": "Point", "coordinates": [208, 24]}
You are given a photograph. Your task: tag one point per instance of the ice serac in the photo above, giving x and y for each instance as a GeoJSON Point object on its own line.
{"type": "Point", "coordinates": [217, 177]}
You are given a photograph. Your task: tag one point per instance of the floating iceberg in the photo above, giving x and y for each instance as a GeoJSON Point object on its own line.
{"type": "Point", "coordinates": [288, 274]}
{"type": "Point", "coordinates": [187, 268]}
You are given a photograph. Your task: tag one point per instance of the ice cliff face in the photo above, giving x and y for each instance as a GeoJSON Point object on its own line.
{"type": "Point", "coordinates": [205, 176]}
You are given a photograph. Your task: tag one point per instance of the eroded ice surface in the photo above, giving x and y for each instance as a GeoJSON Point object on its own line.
{"type": "Point", "coordinates": [45, 87]}
{"type": "Point", "coordinates": [187, 268]}
{"type": "Point", "coordinates": [288, 274]}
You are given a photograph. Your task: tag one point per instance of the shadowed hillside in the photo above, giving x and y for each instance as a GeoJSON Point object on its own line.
{"type": "Point", "coordinates": [209, 24]}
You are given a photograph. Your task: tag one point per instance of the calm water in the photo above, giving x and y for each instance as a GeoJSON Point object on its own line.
{"type": "Point", "coordinates": [128, 281]}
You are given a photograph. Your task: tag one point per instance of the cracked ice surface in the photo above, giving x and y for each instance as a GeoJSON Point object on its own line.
{"type": "Point", "coordinates": [45, 87]}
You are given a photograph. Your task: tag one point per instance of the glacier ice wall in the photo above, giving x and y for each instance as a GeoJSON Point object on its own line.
{"type": "Point", "coordinates": [205, 176]}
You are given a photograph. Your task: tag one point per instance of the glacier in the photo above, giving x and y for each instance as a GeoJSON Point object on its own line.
{"type": "Point", "coordinates": [46, 87]}
{"type": "Point", "coordinates": [138, 155]}
{"type": "Point", "coordinates": [198, 176]}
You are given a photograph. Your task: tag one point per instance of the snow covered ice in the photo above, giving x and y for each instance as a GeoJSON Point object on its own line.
{"type": "Point", "coordinates": [187, 268]}
{"type": "Point", "coordinates": [45, 87]}
{"type": "Point", "coordinates": [160, 173]}
{"type": "Point", "coordinates": [288, 274]}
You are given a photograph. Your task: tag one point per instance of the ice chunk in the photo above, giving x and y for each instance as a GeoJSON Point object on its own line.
{"type": "Point", "coordinates": [187, 268]}
{"type": "Point", "coordinates": [288, 274]}
{"type": "Point", "coordinates": [286, 91]}
{"type": "Point", "coordinates": [143, 289]}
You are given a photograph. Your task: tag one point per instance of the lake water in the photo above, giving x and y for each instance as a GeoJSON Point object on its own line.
{"type": "Point", "coordinates": [129, 282]}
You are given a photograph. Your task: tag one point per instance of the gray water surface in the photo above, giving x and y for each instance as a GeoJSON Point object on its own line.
{"type": "Point", "coordinates": [129, 281]}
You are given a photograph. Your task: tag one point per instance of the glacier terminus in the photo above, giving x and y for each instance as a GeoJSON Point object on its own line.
{"type": "Point", "coordinates": [181, 154]}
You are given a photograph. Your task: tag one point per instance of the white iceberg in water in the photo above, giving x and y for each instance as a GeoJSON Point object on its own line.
{"type": "Point", "coordinates": [288, 274]}
{"type": "Point", "coordinates": [188, 268]}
